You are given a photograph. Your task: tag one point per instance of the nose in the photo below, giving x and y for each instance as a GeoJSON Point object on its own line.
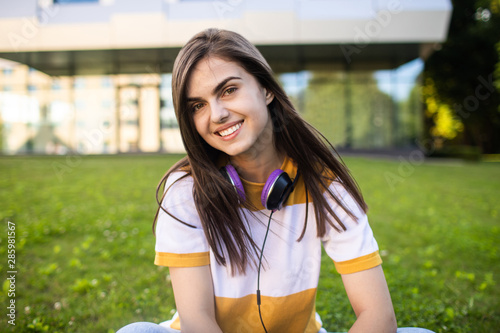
{"type": "Point", "coordinates": [218, 112]}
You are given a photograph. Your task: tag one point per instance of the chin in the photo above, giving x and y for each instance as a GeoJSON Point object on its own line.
{"type": "Point", "coordinates": [234, 152]}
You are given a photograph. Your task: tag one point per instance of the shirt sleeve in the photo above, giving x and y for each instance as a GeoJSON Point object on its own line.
{"type": "Point", "coordinates": [354, 249]}
{"type": "Point", "coordinates": [180, 244]}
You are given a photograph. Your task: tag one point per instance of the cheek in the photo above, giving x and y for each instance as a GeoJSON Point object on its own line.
{"type": "Point", "coordinates": [263, 116]}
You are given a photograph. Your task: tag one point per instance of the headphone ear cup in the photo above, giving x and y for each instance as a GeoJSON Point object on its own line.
{"type": "Point", "coordinates": [229, 172]}
{"type": "Point", "coordinates": [276, 190]}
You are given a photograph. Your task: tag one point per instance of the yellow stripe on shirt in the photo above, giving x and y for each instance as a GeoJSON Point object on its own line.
{"type": "Point", "coordinates": [182, 259]}
{"type": "Point", "coordinates": [294, 313]}
{"type": "Point", "coordinates": [358, 264]}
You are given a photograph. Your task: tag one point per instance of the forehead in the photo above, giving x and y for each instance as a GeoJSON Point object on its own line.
{"type": "Point", "coordinates": [209, 72]}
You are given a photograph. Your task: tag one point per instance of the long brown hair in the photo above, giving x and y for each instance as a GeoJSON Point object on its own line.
{"type": "Point", "coordinates": [216, 204]}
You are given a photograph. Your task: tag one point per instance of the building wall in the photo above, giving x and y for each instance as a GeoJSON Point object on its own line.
{"type": "Point", "coordinates": [38, 25]}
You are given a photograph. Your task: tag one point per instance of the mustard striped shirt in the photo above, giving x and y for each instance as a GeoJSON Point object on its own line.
{"type": "Point", "coordinates": [290, 273]}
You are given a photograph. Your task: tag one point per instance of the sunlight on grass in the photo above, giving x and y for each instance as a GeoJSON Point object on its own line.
{"type": "Point", "coordinates": [85, 249]}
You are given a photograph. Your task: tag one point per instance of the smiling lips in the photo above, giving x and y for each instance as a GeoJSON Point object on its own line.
{"type": "Point", "coordinates": [230, 130]}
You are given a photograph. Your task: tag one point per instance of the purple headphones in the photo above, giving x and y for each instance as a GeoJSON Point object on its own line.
{"type": "Point", "coordinates": [276, 190]}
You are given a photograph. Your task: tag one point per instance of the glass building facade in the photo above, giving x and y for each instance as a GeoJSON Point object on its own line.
{"type": "Point", "coordinates": [107, 114]}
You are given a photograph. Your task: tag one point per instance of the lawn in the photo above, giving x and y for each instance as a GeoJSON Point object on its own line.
{"type": "Point", "coordinates": [85, 249]}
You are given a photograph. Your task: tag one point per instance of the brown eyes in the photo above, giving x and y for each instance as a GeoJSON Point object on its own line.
{"type": "Point", "coordinates": [198, 106]}
{"type": "Point", "coordinates": [229, 91]}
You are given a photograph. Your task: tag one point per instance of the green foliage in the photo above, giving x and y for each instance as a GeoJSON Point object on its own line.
{"type": "Point", "coordinates": [85, 248]}
{"type": "Point", "coordinates": [497, 72]}
{"type": "Point", "coordinates": [446, 124]}
{"type": "Point", "coordinates": [463, 72]}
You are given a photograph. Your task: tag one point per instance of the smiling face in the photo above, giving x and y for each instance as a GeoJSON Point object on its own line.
{"type": "Point", "coordinates": [229, 108]}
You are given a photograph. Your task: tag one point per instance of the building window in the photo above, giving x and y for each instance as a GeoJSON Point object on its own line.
{"type": "Point", "coordinates": [107, 104]}
{"type": "Point", "coordinates": [79, 83]}
{"type": "Point", "coordinates": [80, 104]}
{"type": "Point", "coordinates": [107, 82]}
{"type": "Point", "coordinates": [56, 85]}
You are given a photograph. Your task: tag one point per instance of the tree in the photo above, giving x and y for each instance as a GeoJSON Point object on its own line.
{"type": "Point", "coordinates": [462, 76]}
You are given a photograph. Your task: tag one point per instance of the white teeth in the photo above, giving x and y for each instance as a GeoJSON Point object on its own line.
{"type": "Point", "coordinates": [230, 130]}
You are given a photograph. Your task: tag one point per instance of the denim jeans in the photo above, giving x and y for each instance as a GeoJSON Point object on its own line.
{"type": "Point", "coordinates": [144, 327]}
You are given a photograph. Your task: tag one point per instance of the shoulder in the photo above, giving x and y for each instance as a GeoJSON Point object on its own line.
{"type": "Point", "coordinates": [346, 203]}
{"type": "Point", "coordinates": [179, 171]}
{"type": "Point", "coordinates": [179, 178]}
{"type": "Point", "coordinates": [177, 207]}
{"type": "Point", "coordinates": [178, 189]}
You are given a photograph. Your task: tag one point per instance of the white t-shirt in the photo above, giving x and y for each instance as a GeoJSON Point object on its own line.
{"type": "Point", "coordinates": [290, 273]}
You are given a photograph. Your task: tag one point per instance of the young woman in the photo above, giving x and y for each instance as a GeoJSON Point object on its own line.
{"type": "Point", "coordinates": [243, 216]}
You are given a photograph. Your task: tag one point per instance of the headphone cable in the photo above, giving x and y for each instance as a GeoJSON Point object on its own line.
{"type": "Point", "coordinates": [258, 271]}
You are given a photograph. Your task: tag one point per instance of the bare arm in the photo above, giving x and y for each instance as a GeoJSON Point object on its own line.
{"type": "Point", "coordinates": [194, 298]}
{"type": "Point", "coordinates": [369, 296]}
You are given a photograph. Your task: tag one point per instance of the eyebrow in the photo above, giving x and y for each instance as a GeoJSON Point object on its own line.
{"type": "Point", "coordinates": [217, 88]}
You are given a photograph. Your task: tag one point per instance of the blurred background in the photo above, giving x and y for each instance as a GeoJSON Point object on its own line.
{"type": "Point", "coordinates": [92, 76]}
{"type": "Point", "coordinates": [87, 129]}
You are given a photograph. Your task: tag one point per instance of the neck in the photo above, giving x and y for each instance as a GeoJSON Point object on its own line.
{"type": "Point", "coordinates": [257, 169]}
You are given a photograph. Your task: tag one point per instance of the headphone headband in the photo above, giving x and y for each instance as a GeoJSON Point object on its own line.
{"type": "Point", "coordinates": [276, 190]}
{"type": "Point", "coordinates": [230, 173]}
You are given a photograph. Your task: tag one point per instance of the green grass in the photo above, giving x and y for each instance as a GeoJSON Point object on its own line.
{"type": "Point", "coordinates": [85, 250]}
